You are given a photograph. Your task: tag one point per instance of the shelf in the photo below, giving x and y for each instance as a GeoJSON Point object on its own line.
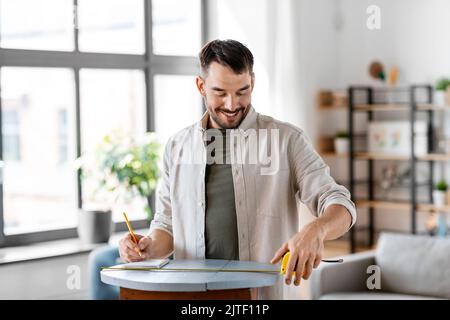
{"type": "Point", "coordinates": [378, 156]}
{"type": "Point", "coordinates": [383, 204]}
{"type": "Point", "coordinates": [333, 154]}
{"type": "Point", "coordinates": [431, 107]}
{"type": "Point", "coordinates": [337, 107]}
{"type": "Point", "coordinates": [398, 107]}
{"type": "Point", "coordinates": [376, 204]}
{"type": "Point", "coordinates": [381, 107]}
{"type": "Point", "coordinates": [432, 208]}
{"type": "Point", "coordinates": [381, 156]}
{"type": "Point", "coordinates": [434, 157]}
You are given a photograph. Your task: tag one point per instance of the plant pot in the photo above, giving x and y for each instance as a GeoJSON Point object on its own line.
{"type": "Point", "coordinates": [439, 198]}
{"type": "Point", "coordinates": [447, 96]}
{"type": "Point", "coordinates": [439, 98]}
{"type": "Point", "coordinates": [94, 226]}
{"type": "Point", "coordinates": [341, 145]}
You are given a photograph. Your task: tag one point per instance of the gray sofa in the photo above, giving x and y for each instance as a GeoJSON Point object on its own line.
{"type": "Point", "coordinates": [410, 267]}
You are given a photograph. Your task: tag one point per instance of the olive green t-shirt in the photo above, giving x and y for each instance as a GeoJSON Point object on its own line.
{"type": "Point", "coordinates": [221, 236]}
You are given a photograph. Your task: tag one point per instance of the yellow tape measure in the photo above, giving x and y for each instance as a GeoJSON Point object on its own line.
{"type": "Point", "coordinates": [282, 271]}
{"type": "Point", "coordinates": [287, 255]}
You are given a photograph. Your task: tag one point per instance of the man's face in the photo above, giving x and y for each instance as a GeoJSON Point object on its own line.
{"type": "Point", "coordinates": [227, 95]}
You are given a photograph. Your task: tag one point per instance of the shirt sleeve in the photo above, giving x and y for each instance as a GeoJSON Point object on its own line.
{"type": "Point", "coordinates": [316, 188]}
{"type": "Point", "coordinates": [163, 214]}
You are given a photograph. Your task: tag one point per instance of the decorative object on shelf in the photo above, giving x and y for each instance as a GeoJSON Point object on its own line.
{"type": "Point", "coordinates": [341, 142]}
{"type": "Point", "coordinates": [442, 93]}
{"type": "Point", "coordinates": [325, 144]}
{"type": "Point", "coordinates": [440, 193]}
{"type": "Point", "coordinates": [325, 98]}
{"type": "Point", "coordinates": [332, 99]}
{"type": "Point", "coordinates": [389, 178]}
{"type": "Point", "coordinates": [394, 137]}
{"type": "Point", "coordinates": [393, 77]}
{"type": "Point", "coordinates": [122, 167]}
{"type": "Point", "coordinates": [340, 99]}
{"type": "Point", "coordinates": [376, 71]}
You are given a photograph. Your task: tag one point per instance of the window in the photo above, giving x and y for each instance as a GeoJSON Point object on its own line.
{"type": "Point", "coordinates": [186, 104]}
{"type": "Point", "coordinates": [37, 24]}
{"type": "Point", "coordinates": [114, 26]}
{"type": "Point", "coordinates": [111, 100]}
{"type": "Point", "coordinates": [11, 137]}
{"type": "Point", "coordinates": [79, 70]}
{"type": "Point", "coordinates": [176, 27]}
{"type": "Point", "coordinates": [63, 136]}
{"type": "Point", "coordinates": [36, 190]}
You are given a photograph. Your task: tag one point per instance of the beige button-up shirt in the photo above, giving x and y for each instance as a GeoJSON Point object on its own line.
{"type": "Point", "coordinates": [274, 166]}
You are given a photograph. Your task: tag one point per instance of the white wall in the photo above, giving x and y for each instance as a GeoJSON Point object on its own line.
{"type": "Point", "coordinates": [44, 279]}
{"type": "Point", "coordinates": [414, 36]}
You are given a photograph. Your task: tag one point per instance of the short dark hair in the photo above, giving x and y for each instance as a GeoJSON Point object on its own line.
{"type": "Point", "coordinates": [229, 53]}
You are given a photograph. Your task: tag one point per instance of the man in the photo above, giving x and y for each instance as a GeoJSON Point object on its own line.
{"type": "Point", "coordinates": [241, 210]}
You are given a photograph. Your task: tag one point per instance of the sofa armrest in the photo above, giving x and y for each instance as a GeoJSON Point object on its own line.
{"type": "Point", "coordinates": [350, 275]}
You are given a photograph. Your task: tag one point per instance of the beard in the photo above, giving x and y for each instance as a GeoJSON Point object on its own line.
{"type": "Point", "coordinates": [226, 119]}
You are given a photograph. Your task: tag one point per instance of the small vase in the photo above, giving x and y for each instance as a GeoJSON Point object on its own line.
{"type": "Point", "coordinates": [439, 198]}
{"type": "Point", "coordinates": [341, 145]}
{"type": "Point", "coordinates": [94, 226]}
{"type": "Point", "coordinates": [439, 98]}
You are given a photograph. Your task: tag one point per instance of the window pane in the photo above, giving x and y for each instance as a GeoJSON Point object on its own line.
{"type": "Point", "coordinates": [38, 148]}
{"type": "Point", "coordinates": [37, 24]}
{"type": "Point", "coordinates": [174, 112]}
{"type": "Point", "coordinates": [111, 26]}
{"type": "Point", "coordinates": [111, 100]}
{"type": "Point", "coordinates": [176, 27]}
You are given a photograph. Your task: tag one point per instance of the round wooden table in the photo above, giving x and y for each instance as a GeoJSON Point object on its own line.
{"type": "Point", "coordinates": [175, 285]}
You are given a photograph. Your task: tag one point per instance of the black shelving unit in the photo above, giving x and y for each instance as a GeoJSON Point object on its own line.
{"type": "Point", "coordinates": [411, 103]}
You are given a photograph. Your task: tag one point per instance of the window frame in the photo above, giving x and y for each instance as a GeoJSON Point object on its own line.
{"type": "Point", "coordinates": [75, 60]}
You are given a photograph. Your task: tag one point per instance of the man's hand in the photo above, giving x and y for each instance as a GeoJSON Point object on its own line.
{"type": "Point", "coordinates": [306, 248]}
{"type": "Point", "coordinates": [129, 250]}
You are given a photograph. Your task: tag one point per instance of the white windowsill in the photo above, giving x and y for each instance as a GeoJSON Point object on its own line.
{"type": "Point", "coordinates": [50, 249]}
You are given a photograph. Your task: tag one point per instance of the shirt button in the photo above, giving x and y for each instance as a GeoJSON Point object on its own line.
{"type": "Point", "coordinates": [200, 203]}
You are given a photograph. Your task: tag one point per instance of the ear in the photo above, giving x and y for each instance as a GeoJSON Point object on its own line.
{"type": "Point", "coordinates": [200, 82]}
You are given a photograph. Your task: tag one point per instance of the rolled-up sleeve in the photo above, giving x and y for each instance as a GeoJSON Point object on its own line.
{"type": "Point", "coordinates": [163, 215]}
{"type": "Point", "coordinates": [316, 188]}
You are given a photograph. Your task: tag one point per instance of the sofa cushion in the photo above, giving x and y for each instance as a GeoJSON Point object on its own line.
{"type": "Point", "coordinates": [416, 265]}
{"type": "Point", "coordinates": [372, 296]}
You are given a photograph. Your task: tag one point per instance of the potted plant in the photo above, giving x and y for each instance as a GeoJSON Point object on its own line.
{"type": "Point", "coordinates": [440, 193]}
{"type": "Point", "coordinates": [442, 94]}
{"type": "Point", "coordinates": [341, 142]}
{"type": "Point", "coordinates": [122, 168]}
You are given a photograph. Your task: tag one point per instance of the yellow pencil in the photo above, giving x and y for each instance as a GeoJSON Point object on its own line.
{"type": "Point", "coordinates": [132, 233]}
